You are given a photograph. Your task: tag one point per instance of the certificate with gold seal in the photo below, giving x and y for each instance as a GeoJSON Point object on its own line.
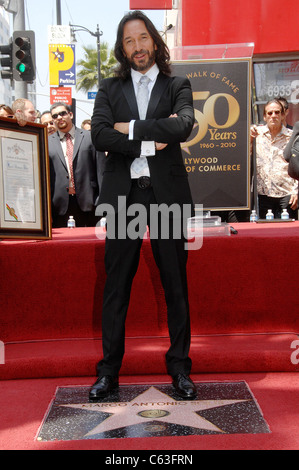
{"type": "Point", "coordinates": [24, 181]}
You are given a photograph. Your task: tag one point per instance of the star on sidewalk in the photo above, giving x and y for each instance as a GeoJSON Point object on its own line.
{"type": "Point", "coordinates": [153, 405]}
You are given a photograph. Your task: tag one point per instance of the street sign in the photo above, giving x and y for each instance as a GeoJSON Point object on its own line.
{"type": "Point", "coordinates": [59, 34]}
{"type": "Point", "coordinates": [63, 94]}
{"type": "Point", "coordinates": [62, 64]}
{"type": "Point", "coordinates": [92, 95]}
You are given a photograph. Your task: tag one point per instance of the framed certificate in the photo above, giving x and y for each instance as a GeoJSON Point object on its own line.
{"type": "Point", "coordinates": [25, 201]}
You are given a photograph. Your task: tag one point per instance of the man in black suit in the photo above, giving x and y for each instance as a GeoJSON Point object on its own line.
{"type": "Point", "coordinates": [119, 128]}
{"type": "Point", "coordinates": [75, 168]}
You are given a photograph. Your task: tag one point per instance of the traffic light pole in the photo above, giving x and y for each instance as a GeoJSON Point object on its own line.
{"type": "Point", "coordinates": [21, 89]}
{"type": "Point", "coordinates": [97, 34]}
{"type": "Point", "coordinates": [58, 10]}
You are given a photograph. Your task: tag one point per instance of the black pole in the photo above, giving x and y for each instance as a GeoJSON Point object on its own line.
{"type": "Point", "coordinates": [98, 35]}
{"type": "Point", "coordinates": [99, 54]}
{"type": "Point", "coordinates": [58, 12]}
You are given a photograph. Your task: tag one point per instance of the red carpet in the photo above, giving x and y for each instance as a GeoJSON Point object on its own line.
{"type": "Point", "coordinates": [243, 303]}
{"type": "Point", "coordinates": [219, 354]}
{"type": "Point", "coordinates": [24, 403]}
{"type": "Point", "coordinates": [244, 314]}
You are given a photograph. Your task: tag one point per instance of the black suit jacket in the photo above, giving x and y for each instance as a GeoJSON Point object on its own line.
{"type": "Point", "coordinates": [287, 153]}
{"type": "Point", "coordinates": [87, 169]}
{"type": "Point", "coordinates": [116, 102]}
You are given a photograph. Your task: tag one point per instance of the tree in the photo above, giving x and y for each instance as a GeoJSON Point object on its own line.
{"type": "Point", "coordinates": [87, 77]}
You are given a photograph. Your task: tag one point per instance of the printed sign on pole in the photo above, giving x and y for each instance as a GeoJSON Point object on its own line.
{"type": "Point", "coordinates": [63, 94]}
{"type": "Point", "coordinates": [62, 64]}
{"type": "Point", "coordinates": [59, 34]}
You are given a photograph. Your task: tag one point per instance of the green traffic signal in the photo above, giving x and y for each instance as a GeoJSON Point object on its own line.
{"type": "Point", "coordinates": [23, 56]}
{"type": "Point", "coordinates": [17, 59]}
{"type": "Point", "coordinates": [21, 67]}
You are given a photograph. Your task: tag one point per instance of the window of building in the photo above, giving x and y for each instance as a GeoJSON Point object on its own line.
{"type": "Point", "coordinates": [274, 79]}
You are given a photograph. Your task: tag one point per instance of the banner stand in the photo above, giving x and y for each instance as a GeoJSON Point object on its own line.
{"type": "Point", "coordinates": [217, 154]}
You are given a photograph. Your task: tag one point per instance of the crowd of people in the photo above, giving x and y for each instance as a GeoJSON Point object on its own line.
{"type": "Point", "coordinates": [75, 166]}
{"type": "Point", "coordinates": [275, 188]}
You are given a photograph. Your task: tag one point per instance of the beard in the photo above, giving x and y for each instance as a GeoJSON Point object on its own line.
{"type": "Point", "coordinates": [145, 65]}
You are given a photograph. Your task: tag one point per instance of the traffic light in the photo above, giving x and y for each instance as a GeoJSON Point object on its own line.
{"type": "Point", "coordinates": [6, 61]}
{"type": "Point", "coordinates": [23, 56]}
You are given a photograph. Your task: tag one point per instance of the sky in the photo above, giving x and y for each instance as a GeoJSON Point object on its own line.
{"type": "Point", "coordinates": [88, 13]}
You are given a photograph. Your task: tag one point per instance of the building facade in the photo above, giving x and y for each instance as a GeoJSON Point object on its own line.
{"type": "Point", "coordinates": [272, 28]}
{"type": "Point", "coordinates": [5, 85]}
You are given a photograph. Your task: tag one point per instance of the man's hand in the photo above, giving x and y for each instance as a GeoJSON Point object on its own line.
{"type": "Point", "coordinates": [160, 146]}
{"type": "Point", "coordinates": [253, 132]}
{"type": "Point", "coordinates": [294, 201]}
{"type": "Point", "coordinates": [122, 127]}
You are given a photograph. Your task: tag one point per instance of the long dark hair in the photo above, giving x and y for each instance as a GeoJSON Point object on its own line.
{"type": "Point", "coordinates": [162, 57]}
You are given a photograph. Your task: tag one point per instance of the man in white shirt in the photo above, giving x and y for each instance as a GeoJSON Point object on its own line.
{"type": "Point", "coordinates": [276, 189]}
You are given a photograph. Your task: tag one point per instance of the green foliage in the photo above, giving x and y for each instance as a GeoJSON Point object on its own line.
{"type": "Point", "coordinates": [87, 77]}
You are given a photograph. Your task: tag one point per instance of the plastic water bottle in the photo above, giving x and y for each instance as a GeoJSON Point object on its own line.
{"type": "Point", "coordinates": [103, 222]}
{"type": "Point", "coordinates": [253, 216]}
{"type": "Point", "coordinates": [71, 222]}
{"type": "Point", "coordinates": [269, 215]}
{"type": "Point", "coordinates": [285, 215]}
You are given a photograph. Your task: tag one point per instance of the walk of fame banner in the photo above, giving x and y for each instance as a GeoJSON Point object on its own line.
{"type": "Point", "coordinates": [217, 153]}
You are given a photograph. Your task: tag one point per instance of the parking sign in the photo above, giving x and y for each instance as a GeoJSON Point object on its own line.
{"type": "Point", "coordinates": [62, 64]}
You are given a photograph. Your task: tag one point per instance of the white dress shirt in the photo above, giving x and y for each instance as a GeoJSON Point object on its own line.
{"type": "Point", "coordinates": [147, 147]}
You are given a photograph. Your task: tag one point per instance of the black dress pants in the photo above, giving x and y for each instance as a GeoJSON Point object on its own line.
{"type": "Point", "coordinates": [82, 219]}
{"type": "Point", "coordinates": [121, 262]}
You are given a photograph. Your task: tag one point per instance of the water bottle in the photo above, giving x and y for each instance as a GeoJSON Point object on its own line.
{"type": "Point", "coordinates": [103, 222]}
{"type": "Point", "coordinates": [269, 215]}
{"type": "Point", "coordinates": [71, 222]}
{"type": "Point", "coordinates": [285, 214]}
{"type": "Point", "coordinates": [253, 216]}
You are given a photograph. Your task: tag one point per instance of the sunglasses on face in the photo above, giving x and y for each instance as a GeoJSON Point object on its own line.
{"type": "Point", "coordinates": [62, 114]}
{"type": "Point", "coordinates": [276, 112]}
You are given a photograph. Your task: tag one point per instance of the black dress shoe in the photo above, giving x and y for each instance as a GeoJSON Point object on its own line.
{"type": "Point", "coordinates": [184, 386]}
{"type": "Point", "coordinates": [103, 386]}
